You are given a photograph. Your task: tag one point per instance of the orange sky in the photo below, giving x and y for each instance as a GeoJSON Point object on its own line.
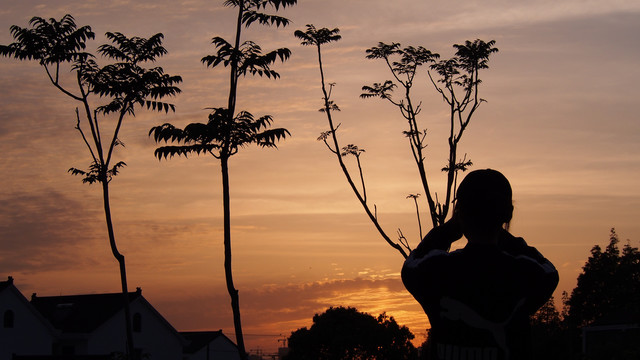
{"type": "Point", "coordinates": [560, 122]}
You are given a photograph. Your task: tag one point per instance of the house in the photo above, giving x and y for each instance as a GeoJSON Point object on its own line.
{"type": "Point", "coordinates": [91, 327]}
{"type": "Point", "coordinates": [209, 345]}
{"type": "Point", "coordinates": [613, 335]}
{"type": "Point", "coordinates": [94, 325]}
{"type": "Point", "coordinates": [24, 330]}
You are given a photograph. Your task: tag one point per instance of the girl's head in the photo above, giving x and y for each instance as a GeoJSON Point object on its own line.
{"type": "Point", "coordinates": [483, 203]}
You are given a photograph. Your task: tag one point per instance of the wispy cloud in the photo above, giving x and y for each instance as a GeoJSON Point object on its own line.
{"type": "Point", "coordinates": [45, 231]}
{"type": "Point", "coordinates": [445, 16]}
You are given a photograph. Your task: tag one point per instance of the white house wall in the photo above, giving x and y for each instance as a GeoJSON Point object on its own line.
{"type": "Point", "coordinates": [29, 335]}
{"type": "Point", "coordinates": [222, 348]}
{"type": "Point", "coordinates": [219, 349]}
{"type": "Point", "coordinates": [155, 339]}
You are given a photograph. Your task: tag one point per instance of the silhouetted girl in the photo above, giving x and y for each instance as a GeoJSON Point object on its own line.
{"type": "Point", "coordinates": [479, 298]}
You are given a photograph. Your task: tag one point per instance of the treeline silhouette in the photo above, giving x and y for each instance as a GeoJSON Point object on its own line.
{"type": "Point", "coordinates": [600, 318]}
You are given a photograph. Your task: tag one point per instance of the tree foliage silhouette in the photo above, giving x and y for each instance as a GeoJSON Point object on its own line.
{"type": "Point", "coordinates": [346, 333]}
{"type": "Point", "coordinates": [549, 337]}
{"type": "Point", "coordinates": [124, 83]}
{"type": "Point", "coordinates": [227, 130]}
{"type": "Point", "coordinates": [457, 82]}
{"type": "Point", "coordinates": [607, 284]}
{"type": "Point", "coordinates": [459, 86]}
{"type": "Point", "coordinates": [605, 294]}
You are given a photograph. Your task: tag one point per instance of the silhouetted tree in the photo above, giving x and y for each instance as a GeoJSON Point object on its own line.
{"type": "Point", "coordinates": [547, 315]}
{"type": "Point", "coordinates": [345, 333]}
{"type": "Point", "coordinates": [457, 82]}
{"type": "Point", "coordinates": [125, 83]}
{"type": "Point", "coordinates": [548, 335]}
{"type": "Point", "coordinates": [608, 284]}
{"type": "Point", "coordinates": [318, 37]}
{"type": "Point", "coordinates": [606, 289]}
{"type": "Point", "coordinates": [226, 131]}
{"type": "Point", "coordinates": [426, 353]}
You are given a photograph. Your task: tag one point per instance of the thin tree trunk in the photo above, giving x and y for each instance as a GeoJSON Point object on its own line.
{"type": "Point", "coordinates": [233, 80]}
{"type": "Point", "coordinates": [233, 293]}
{"type": "Point", "coordinates": [224, 162]}
{"type": "Point", "coordinates": [123, 272]}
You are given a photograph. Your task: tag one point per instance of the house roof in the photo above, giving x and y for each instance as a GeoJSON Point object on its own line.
{"type": "Point", "coordinates": [197, 340]}
{"type": "Point", "coordinates": [80, 313]}
{"type": "Point", "coordinates": [618, 317]}
{"type": "Point", "coordinates": [6, 284]}
{"type": "Point", "coordinates": [9, 286]}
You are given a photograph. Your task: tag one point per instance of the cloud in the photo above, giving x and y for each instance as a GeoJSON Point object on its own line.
{"type": "Point", "coordinates": [474, 16]}
{"type": "Point", "coordinates": [46, 230]}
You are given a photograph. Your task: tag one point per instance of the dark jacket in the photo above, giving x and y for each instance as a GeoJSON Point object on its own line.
{"type": "Point", "coordinates": [479, 298]}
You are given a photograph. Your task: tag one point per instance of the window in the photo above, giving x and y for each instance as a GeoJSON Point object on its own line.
{"type": "Point", "coordinates": [137, 322]}
{"type": "Point", "coordinates": [8, 319]}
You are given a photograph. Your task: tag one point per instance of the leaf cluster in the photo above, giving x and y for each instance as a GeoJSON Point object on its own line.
{"type": "Point", "coordinates": [49, 41]}
{"type": "Point", "coordinates": [249, 58]}
{"type": "Point", "coordinates": [461, 165]}
{"type": "Point", "coordinates": [403, 64]}
{"type": "Point", "coordinates": [317, 37]}
{"type": "Point", "coordinates": [332, 106]}
{"type": "Point", "coordinates": [462, 69]}
{"type": "Point", "coordinates": [410, 58]}
{"type": "Point", "coordinates": [98, 172]}
{"type": "Point", "coordinates": [382, 91]}
{"type": "Point", "coordinates": [252, 12]}
{"type": "Point", "coordinates": [474, 55]}
{"type": "Point", "coordinates": [262, 4]}
{"type": "Point", "coordinates": [124, 83]}
{"type": "Point", "coordinates": [352, 149]}
{"type": "Point", "coordinates": [220, 136]}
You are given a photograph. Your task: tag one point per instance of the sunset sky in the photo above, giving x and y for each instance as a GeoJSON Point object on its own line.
{"type": "Point", "coordinates": [561, 122]}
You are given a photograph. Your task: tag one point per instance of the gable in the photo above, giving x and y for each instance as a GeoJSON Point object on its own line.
{"type": "Point", "coordinates": [23, 329]}
{"type": "Point", "coordinates": [146, 321]}
{"type": "Point", "coordinates": [153, 336]}
{"type": "Point", "coordinates": [15, 306]}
